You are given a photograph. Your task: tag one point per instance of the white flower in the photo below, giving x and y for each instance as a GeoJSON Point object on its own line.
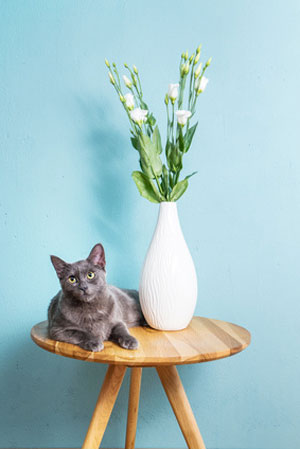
{"type": "Point", "coordinates": [201, 84]}
{"type": "Point", "coordinates": [129, 99]}
{"type": "Point", "coordinates": [173, 91]}
{"type": "Point", "coordinates": [127, 81]}
{"type": "Point", "coordinates": [138, 115]}
{"type": "Point", "coordinates": [182, 116]}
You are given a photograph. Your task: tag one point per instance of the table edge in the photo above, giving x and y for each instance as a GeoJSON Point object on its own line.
{"type": "Point", "coordinates": [89, 356]}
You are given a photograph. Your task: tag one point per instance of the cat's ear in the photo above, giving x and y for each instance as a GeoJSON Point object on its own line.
{"type": "Point", "coordinates": [97, 256]}
{"type": "Point", "coordinates": [59, 265]}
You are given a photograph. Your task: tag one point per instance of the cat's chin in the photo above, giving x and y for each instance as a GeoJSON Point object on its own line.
{"type": "Point", "coordinates": [86, 298]}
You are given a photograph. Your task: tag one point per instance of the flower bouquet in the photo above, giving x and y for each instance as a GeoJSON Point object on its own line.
{"type": "Point", "coordinates": [158, 180]}
{"type": "Point", "coordinates": [168, 284]}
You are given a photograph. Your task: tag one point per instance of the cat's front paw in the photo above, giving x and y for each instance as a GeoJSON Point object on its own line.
{"type": "Point", "coordinates": [92, 345]}
{"type": "Point", "coordinates": [128, 342]}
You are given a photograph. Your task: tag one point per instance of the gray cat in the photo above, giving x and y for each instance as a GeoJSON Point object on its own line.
{"type": "Point", "coordinates": [87, 310]}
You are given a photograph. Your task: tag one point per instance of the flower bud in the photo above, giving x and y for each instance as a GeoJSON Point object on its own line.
{"type": "Point", "coordinates": [107, 63]}
{"type": "Point", "coordinates": [134, 80]}
{"type": "Point", "coordinates": [173, 92]}
{"type": "Point", "coordinates": [127, 81]}
{"type": "Point", "coordinates": [186, 67]}
{"type": "Point", "coordinates": [199, 49]}
{"type": "Point", "coordinates": [208, 62]}
{"type": "Point", "coordinates": [198, 70]}
{"type": "Point", "coordinates": [166, 99]}
{"type": "Point", "coordinates": [112, 80]}
{"type": "Point", "coordinates": [122, 99]}
{"type": "Point", "coordinates": [135, 70]}
{"type": "Point", "coordinates": [186, 55]}
{"type": "Point", "coordinates": [197, 58]}
{"type": "Point", "coordinates": [192, 57]}
{"type": "Point", "coordinates": [182, 55]}
{"type": "Point", "coordinates": [125, 65]}
{"type": "Point", "coordinates": [201, 84]}
{"type": "Point", "coordinates": [182, 68]}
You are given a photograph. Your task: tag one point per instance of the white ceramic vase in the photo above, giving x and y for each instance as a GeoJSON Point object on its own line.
{"type": "Point", "coordinates": [168, 285]}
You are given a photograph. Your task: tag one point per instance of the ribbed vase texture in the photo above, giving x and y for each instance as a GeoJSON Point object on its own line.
{"type": "Point", "coordinates": [168, 285]}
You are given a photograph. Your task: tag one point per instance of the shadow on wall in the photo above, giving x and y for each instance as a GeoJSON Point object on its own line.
{"type": "Point", "coordinates": [48, 394]}
{"type": "Point", "coordinates": [53, 397]}
{"type": "Point", "coordinates": [109, 177]}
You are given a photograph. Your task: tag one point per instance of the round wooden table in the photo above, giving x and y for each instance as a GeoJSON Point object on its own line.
{"type": "Point", "coordinates": [203, 340]}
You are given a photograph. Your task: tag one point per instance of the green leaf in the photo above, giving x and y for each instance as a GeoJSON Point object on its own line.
{"type": "Point", "coordinates": [146, 188]}
{"type": "Point", "coordinates": [174, 157]}
{"type": "Point", "coordinates": [145, 165]}
{"type": "Point", "coordinates": [189, 176]}
{"type": "Point", "coordinates": [189, 137]}
{"type": "Point", "coordinates": [171, 181]}
{"type": "Point", "coordinates": [180, 140]}
{"type": "Point", "coordinates": [168, 151]}
{"type": "Point", "coordinates": [151, 119]}
{"type": "Point", "coordinates": [179, 190]}
{"type": "Point", "coordinates": [165, 180]}
{"type": "Point", "coordinates": [144, 105]}
{"type": "Point", "coordinates": [149, 157]}
{"type": "Point", "coordinates": [135, 143]}
{"type": "Point", "coordinates": [157, 140]}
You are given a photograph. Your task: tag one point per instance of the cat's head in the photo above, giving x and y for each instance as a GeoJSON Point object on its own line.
{"type": "Point", "coordinates": [84, 279]}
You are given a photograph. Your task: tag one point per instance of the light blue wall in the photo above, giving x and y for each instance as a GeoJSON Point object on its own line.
{"type": "Point", "coordinates": [65, 185]}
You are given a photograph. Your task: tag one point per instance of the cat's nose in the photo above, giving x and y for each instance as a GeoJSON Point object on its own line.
{"type": "Point", "coordinates": [84, 289]}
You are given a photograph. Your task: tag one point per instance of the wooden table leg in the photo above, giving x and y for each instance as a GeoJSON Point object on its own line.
{"type": "Point", "coordinates": [181, 407]}
{"type": "Point", "coordinates": [105, 403]}
{"type": "Point", "coordinates": [133, 406]}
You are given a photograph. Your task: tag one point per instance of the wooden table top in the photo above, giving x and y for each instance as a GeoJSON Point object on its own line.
{"type": "Point", "coordinates": [203, 340]}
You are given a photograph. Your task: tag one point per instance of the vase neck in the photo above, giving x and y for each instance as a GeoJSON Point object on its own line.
{"type": "Point", "coordinates": [168, 213]}
{"type": "Point", "coordinates": [168, 207]}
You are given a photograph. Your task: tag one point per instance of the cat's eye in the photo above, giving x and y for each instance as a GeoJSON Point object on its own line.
{"type": "Point", "coordinates": [72, 279]}
{"type": "Point", "coordinates": [90, 275]}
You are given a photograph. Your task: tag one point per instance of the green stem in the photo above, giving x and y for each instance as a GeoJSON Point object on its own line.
{"type": "Point", "coordinates": [168, 123]}
{"type": "Point", "coordinates": [191, 86]}
{"type": "Point", "coordinates": [118, 89]}
{"type": "Point", "coordinates": [140, 95]}
{"type": "Point", "coordinates": [196, 96]}
{"type": "Point", "coordinates": [140, 86]}
{"type": "Point", "coordinates": [172, 124]}
{"type": "Point", "coordinates": [181, 91]}
{"type": "Point", "coordinates": [118, 77]}
{"type": "Point", "coordinates": [159, 186]}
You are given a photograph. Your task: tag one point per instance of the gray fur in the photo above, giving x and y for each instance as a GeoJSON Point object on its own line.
{"type": "Point", "coordinates": [90, 311]}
